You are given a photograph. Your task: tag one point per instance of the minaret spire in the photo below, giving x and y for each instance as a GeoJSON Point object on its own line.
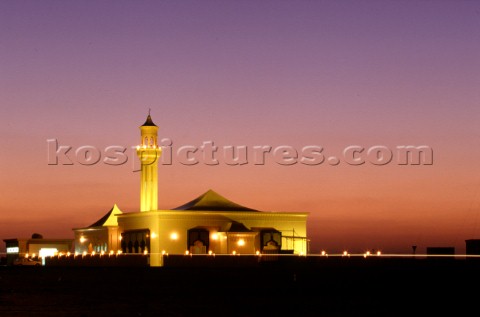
{"type": "Point", "coordinates": [149, 154]}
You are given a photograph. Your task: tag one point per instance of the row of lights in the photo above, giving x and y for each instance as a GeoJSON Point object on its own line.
{"type": "Point", "coordinates": [84, 253]}
{"type": "Point", "coordinates": [187, 252]}
{"type": "Point", "coordinates": [240, 242]}
{"type": "Point", "coordinates": [173, 236]}
{"type": "Point", "coordinates": [210, 252]}
{"type": "Point", "coordinates": [323, 253]}
{"type": "Point", "coordinates": [345, 253]}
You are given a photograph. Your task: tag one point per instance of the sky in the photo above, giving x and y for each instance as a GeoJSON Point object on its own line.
{"type": "Point", "coordinates": [330, 74]}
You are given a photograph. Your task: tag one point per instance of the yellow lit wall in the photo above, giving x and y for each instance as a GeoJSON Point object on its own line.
{"type": "Point", "coordinates": [163, 223]}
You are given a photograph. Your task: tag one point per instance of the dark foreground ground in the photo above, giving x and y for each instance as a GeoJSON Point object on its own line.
{"type": "Point", "coordinates": [334, 287]}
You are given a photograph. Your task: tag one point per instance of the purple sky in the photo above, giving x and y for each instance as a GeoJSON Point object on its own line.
{"type": "Point", "coordinates": [274, 73]}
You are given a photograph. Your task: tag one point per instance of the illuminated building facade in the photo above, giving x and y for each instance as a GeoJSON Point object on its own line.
{"type": "Point", "coordinates": [209, 224]}
{"type": "Point", "coordinates": [103, 235]}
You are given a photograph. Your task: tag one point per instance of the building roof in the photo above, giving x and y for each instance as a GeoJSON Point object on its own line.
{"type": "Point", "coordinates": [211, 201]}
{"type": "Point", "coordinates": [236, 226]}
{"type": "Point", "coordinates": [269, 229]}
{"type": "Point", "coordinates": [109, 219]}
{"type": "Point", "coordinates": [149, 122]}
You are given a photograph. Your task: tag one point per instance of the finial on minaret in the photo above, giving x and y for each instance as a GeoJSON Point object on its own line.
{"type": "Point", "coordinates": [149, 122]}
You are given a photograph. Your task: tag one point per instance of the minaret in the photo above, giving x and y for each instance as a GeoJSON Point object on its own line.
{"type": "Point", "coordinates": [149, 154]}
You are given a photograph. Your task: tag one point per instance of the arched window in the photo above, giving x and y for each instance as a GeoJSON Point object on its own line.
{"type": "Point", "coordinates": [198, 240]}
{"type": "Point", "coordinates": [270, 239]}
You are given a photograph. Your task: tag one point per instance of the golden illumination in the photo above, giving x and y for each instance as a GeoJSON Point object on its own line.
{"type": "Point", "coordinates": [323, 253]}
{"type": "Point", "coordinates": [257, 252]}
{"type": "Point", "coordinates": [234, 252]}
{"type": "Point", "coordinates": [345, 253]}
{"type": "Point", "coordinates": [210, 252]}
{"type": "Point", "coordinates": [241, 242]}
{"type": "Point", "coordinates": [26, 255]}
{"type": "Point", "coordinates": [149, 154]}
{"type": "Point", "coordinates": [154, 235]}
{"type": "Point", "coordinates": [111, 252]}
{"type": "Point", "coordinates": [214, 236]}
{"type": "Point", "coordinates": [102, 252]}
{"type": "Point", "coordinates": [163, 252]}
{"type": "Point", "coordinates": [82, 239]}
{"type": "Point", "coordinates": [173, 236]}
{"type": "Point", "coordinates": [367, 253]}
{"type": "Point", "coordinates": [93, 252]}
{"type": "Point", "coordinates": [75, 254]}
{"type": "Point", "coordinates": [187, 252]}
{"type": "Point", "coordinates": [119, 252]}
{"type": "Point", "coordinates": [145, 252]}
{"type": "Point", "coordinates": [84, 253]}
{"type": "Point", "coordinates": [379, 253]}
{"type": "Point", "coordinates": [68, 253]}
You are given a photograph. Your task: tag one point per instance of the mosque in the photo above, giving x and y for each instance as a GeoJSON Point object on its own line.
{"type": "Point", "coordinates": [209, 224]}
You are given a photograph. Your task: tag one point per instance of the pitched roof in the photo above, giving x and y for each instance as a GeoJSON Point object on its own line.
{"type": "Point", "coordinates": [211, 201]}
{"type": "Point", "coordinates": [109, 219]}
{"type": "Point", "coordinates": [268, 229]}
{"type": "Point", "coordinates": [149, 122]}
{"type": "Point", "coordinates": [236, 226]}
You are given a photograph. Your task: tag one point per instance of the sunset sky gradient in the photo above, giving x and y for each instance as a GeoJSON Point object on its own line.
{"type": "Point", "coordinates": [295, 73]}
